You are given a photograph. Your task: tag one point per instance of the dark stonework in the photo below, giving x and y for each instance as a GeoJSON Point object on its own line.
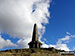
{"type": "Point", "coordinates": [35, 43]}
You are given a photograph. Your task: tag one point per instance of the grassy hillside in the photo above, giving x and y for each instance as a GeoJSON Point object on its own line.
{"type": "Point", "coordinates": [32, 52]}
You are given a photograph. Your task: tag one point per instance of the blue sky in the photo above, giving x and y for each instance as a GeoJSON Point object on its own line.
{"type": "Point", "coordinates": [62, 20]}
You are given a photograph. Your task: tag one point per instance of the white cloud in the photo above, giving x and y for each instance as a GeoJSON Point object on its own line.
{"type": "Point", "coordinates": [66, 38]}
{"type": "Point", "coordinates": [68, 33]}
{"type": "Point", "coordinates": [52, 45]}
{"type": "Point", "coordinates": [6, 43]}
{"type": "Point", "coordinates": [61, 45]}
{"type": "Point", "coordinates": [45, 45]}
{"type": "Point", "coordinates": [23, 43]}
{"type": "Point", "coordinates": [45, 39]}
{"type": "Point", "coordinates": [57, 46]}
{"type": "Point", "coordinates": [18, 16]}
{"type": "Point", "coordinates": [74, 49]}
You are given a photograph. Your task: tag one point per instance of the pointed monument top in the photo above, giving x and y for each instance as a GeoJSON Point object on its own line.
{"type": "Point", "coordinates": [35, 24]}
{"type": "Point", "coordinates": [35, 33]}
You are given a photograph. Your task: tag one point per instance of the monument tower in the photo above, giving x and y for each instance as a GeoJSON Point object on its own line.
{"type": "Point", "coordinates": [35, 43]}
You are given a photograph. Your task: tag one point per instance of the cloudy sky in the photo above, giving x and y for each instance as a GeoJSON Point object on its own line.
{"type": "Point", "coordinates": [55, 21]}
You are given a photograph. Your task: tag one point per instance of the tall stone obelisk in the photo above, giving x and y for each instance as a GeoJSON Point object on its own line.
{"type": "Point", "coordinates": [35, 43]}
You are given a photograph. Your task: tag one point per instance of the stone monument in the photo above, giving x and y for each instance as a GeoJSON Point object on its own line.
{"type": "Point", "coordinates": [35, 43]}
